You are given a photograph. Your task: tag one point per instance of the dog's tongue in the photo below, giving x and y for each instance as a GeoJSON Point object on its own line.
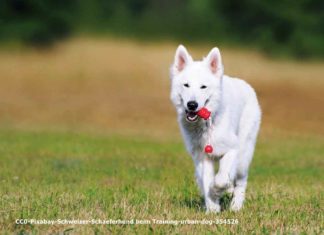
{"type": "Point", "coordinates": [204, 113]}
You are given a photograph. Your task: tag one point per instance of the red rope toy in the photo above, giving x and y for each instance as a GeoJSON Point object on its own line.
{"type": "Point", "coordinates": [205, 114]}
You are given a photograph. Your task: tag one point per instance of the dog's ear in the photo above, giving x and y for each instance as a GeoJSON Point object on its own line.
{"type": "Point", "coordinates": [181, 59]}
{"type": "Point", "coordinates": [214, 61]}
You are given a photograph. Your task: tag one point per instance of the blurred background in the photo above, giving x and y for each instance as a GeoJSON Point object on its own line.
{"type": "Point", "coordinates": [275, 27]}
{"type": "Point", "coordinates": [104, 65]}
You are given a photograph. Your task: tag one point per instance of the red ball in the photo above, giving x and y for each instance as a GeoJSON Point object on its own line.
{"type": "Point", "coordinates": [208, 148]}
{"type": "Point", "coordinates": [203, 113]}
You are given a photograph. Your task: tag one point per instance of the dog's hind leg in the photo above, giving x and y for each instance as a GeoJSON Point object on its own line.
{"type": "Point", "coordinates": [250, 123]}
{"type": "Point", "coordinates": [241, 177]}
{"type": "Point", "coordinates": [239, 194]}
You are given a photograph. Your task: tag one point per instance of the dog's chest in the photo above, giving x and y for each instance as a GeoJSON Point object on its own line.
{"type": "Point", "coordinates": [198, 136]}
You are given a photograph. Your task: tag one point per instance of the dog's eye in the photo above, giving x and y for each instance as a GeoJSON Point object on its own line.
{"type": "Point", "coordinates": [186, 85]}
{"type": "Point", "coordinates": [203, 87]}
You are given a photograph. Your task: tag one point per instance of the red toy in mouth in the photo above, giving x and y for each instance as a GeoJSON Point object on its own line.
{"type": "Point", "coordinates": [204, 113]}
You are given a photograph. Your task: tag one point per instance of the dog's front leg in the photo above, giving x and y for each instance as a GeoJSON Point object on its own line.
{"type": "Point", "coordinates": [208, 173]}
{"type": "Point", "coordinates": [199, 175]}
{"type": "Point", "coordinates": [225, 176]}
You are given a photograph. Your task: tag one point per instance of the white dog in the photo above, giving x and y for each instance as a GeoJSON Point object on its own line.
{"type": "Point", "coordinates": [231, 131]}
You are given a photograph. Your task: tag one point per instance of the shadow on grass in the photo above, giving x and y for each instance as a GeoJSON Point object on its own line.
{"type": "Point", "coordinates": [198, 204]}
{"type": "Point", "coordinates": [225, 201]}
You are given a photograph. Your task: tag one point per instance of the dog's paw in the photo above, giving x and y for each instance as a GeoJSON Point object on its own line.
{"type": "Point", "coordinates": [213, 208]}
{"type": "Point", "coordinates": [236, 204]}
{"type": "Point", "coordinates": [222, 182]}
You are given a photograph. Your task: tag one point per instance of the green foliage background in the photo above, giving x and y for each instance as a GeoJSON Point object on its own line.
{"type": "Point", "coordinates": [277, 27]}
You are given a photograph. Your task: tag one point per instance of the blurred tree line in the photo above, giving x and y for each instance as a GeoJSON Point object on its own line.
{"type": "Point", "coordinates": [277, 26]}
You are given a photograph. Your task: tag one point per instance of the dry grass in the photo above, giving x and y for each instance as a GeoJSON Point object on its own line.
{"type": "Point", "coordinates": [122, 86]}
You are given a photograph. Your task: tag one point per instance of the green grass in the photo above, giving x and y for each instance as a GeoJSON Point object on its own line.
{"type": "Point", "coordinates": [48, 175]}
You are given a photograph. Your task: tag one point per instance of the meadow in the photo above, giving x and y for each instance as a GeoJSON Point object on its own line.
{"type": "Point", "coordinates": [88, 132]}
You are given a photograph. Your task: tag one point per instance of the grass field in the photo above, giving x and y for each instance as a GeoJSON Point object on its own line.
{"type": "Point", "coordinates": [61, 175]}
{"type": "Point", "coordinates": [87, 137]}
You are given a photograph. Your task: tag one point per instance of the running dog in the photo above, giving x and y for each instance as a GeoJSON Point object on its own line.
{"type": "Point", "coordinates": [231, 129]}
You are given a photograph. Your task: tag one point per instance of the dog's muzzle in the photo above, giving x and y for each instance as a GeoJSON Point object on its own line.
{"type": "Point", "coordinates": [191, 116]}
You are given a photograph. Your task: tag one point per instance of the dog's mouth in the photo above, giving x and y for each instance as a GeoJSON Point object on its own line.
{"type": "Point", "coordinates": [191, 116]}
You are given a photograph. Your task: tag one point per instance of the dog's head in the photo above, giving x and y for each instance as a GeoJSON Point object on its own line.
{"type": "Point", "coordinates": [196, 84]}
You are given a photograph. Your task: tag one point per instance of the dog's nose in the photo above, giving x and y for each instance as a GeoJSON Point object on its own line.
{"type": "Point", "coordinates": [192, 105]}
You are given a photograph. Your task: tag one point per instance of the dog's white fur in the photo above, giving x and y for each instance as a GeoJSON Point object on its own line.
{"type": "Point", "coordinates": [235, 114]}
